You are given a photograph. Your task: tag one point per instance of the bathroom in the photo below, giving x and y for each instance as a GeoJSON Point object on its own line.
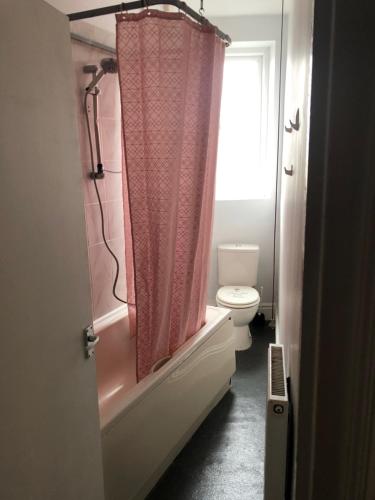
{"type": "Point", "coordinates": [154, 282]}
{"type": "Point", "coordinates": [243, 217]}
{"type": "Point", "coordinates": [214, 375]}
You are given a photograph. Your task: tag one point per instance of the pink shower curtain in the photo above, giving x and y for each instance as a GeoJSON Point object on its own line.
{"type": "Point", "coordinates": [170, 71]}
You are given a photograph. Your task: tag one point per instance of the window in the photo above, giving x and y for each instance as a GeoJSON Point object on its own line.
{"type": "Point", "coordinates": [247, 149]}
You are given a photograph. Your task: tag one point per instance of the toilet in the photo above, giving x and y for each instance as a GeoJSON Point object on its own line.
{"type": "Point", "coordinates": [238, 270]}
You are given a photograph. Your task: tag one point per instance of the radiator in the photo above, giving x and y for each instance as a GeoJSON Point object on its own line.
{"type": "Point", "coordinates": [276, 425]}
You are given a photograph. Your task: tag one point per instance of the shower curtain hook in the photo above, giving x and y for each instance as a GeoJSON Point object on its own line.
{"type": "Point", "coordinates": [124, 9]}
{"type": "Point", "coordinates": [201, 10]}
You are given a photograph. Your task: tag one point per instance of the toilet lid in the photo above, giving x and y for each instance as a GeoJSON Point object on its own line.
{"type": "Point", "coordinates": [237, 296]}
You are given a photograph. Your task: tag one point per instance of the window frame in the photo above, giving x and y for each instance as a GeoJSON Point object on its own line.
{"type": "Point", "coordinates": [265, 51]}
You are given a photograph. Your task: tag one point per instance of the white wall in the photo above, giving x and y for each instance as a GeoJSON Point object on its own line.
{"type": "Point", "coordinates": [293, 188]}
{"type": "Point", "coordinates": [249, 221]}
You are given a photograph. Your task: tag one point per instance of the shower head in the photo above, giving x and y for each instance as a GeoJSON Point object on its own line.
{"type": "Point", "coordinates": [108, 64]}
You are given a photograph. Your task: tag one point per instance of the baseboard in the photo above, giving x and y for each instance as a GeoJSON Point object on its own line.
{"type": "Point", "coordinates": [266, 309]}
{"type": "Point", "coordinates": [277, 327]}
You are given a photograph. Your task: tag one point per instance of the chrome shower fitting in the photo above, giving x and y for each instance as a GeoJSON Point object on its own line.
{"type": "Point", "coordinates": [108, 65]}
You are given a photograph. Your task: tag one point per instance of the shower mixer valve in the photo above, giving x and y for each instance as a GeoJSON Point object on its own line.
{"type": "Point", "coordinates": [99, 174]}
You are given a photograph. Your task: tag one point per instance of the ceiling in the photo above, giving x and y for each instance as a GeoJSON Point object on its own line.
{"type": "Point", "coordinates": [213, 8]}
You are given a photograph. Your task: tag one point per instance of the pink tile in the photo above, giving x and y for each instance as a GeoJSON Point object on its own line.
{"type": "Point", "coordinates": [89, 187]}
{"type": "Point", "coordinates": [109, 99]}
{"type": "Point", "coordinates": [115, 362]}
{"type": "Point", "coordinates": [118, 247]}
{"type": "Point", "coordinates": [93, 224]}
{"type": "Point", "coordinates": [109, 114]}
{"type": "Point", "coordinates": [101, 280]}
{"type": "Point", "coordinates": [113, 181]}
{"type": "Point", "coordinates": [84, 144]}
{"type": "Point", "coordinates": [83, 55]}
{"type": "Point", "coordinates": [84, 137]}
{"type": "Point", "coordinates": [115, 219]}
{"type": "Point", "coordinates": [110, 188]}
{"type": "Point", "coordinates": [111, 140]}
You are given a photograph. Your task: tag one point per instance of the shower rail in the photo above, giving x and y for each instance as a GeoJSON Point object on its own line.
{"type": "Point", "coordinates": [140, 4]}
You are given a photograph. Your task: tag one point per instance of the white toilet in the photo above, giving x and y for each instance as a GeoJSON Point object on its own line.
{"type": "Point", "coordinates": [238, 270]}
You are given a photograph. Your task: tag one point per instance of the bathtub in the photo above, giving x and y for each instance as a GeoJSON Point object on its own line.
{"type": "Point", "coordinates": [144, 426]}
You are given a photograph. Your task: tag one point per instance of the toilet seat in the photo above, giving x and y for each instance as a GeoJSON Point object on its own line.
{"type": "Point", "coordinates": [237, 297]}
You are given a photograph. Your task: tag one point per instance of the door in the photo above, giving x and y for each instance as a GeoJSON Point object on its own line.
{"type": "Point", "coordinates": [49, 426]}
{"type": "Point", "coordinates": [336, 435]}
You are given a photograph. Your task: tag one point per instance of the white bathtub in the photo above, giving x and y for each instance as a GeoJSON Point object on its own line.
{"type": "Point", "coordinates": [145, 425]}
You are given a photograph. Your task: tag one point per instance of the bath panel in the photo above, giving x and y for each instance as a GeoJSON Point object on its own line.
{"type": "Point", "coordinates": [145, 426]}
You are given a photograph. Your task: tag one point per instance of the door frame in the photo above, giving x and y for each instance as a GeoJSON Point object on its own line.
{"type": "Point", "coordinates": [336, 429]}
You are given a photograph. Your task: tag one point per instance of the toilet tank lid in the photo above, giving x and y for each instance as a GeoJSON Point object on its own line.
{"type": "Point", "coordinates": [238, 247]}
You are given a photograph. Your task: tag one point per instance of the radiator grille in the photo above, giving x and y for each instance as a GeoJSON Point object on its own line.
{"type": "Point", "coordinates": [276, 441]}
{"type": "Point", "coordinates": [277, 372]}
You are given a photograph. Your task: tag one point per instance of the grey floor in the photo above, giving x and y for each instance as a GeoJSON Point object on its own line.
{"type": "Point", "coordinates": [224, 458]}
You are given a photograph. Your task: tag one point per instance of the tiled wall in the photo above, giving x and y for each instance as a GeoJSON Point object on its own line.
{"type": "Point", "coordinates": [102, 265]}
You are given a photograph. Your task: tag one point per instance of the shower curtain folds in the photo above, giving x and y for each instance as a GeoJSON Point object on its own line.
{"type": "Point", "coordinates": [170, 71]}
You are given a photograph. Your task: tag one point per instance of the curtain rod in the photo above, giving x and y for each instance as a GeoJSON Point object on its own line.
{"type": "Point", "coordinates": [140, 4]}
